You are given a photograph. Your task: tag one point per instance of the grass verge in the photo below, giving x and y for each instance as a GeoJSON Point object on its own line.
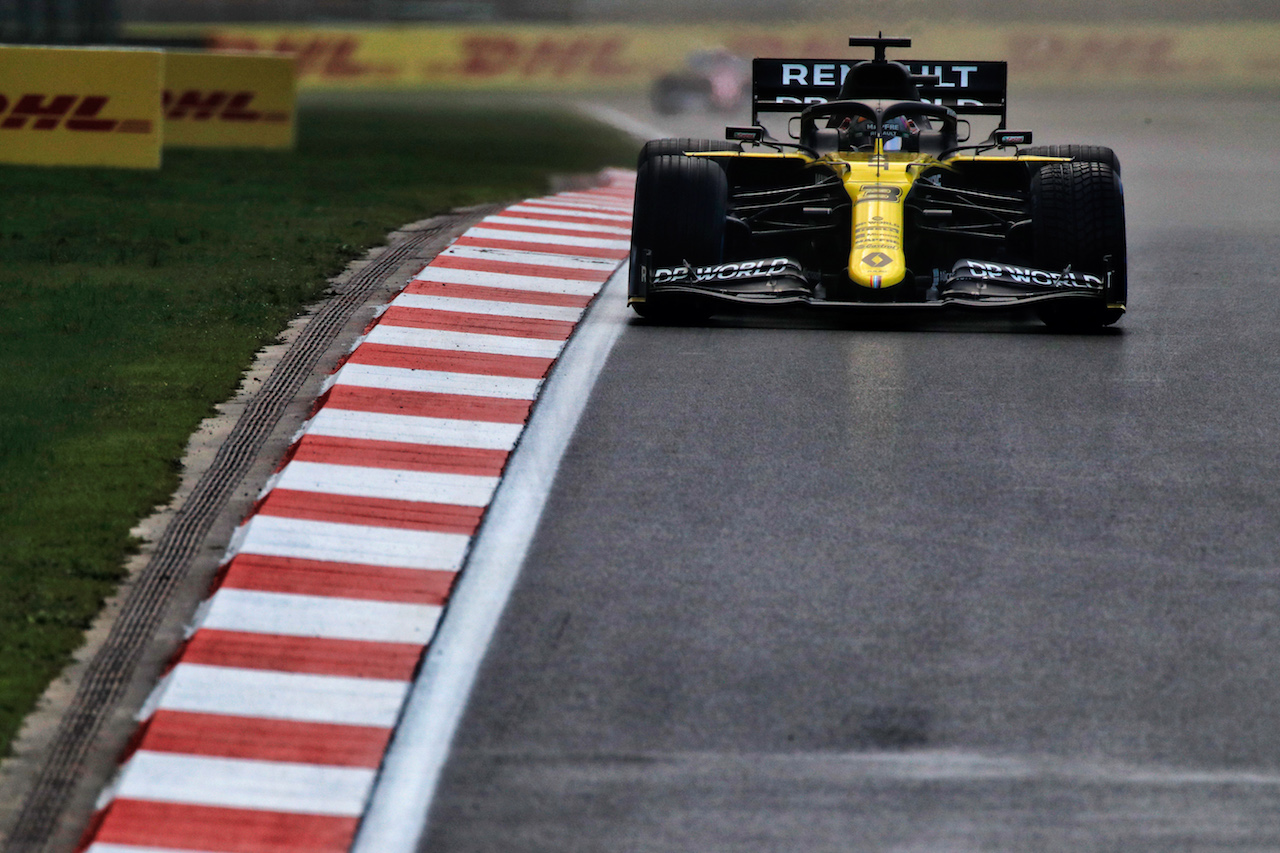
{"type": "Point", "coordinates": [131, 302]}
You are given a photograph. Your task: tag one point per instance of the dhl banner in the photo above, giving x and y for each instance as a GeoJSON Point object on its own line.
{"type": "Point", "coordinates": [81, 107]}
{"type": "Point", "coordinates": [214, 100]}
{"type": "Point", "coordinates": [571, 57]}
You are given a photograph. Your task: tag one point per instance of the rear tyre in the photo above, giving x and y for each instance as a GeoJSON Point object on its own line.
{"type": "Point", "coordinates": [682, 145]}
{"type": "Point", "coordinates": [1078, 153]}
{"type": "Point", "coordinates": [680, 211]}
{"type": "Point", "coordinates": [1077, 220]}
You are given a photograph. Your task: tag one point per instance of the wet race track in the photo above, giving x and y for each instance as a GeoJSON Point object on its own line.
{"type": "Point", "coordinates": [958, 586]}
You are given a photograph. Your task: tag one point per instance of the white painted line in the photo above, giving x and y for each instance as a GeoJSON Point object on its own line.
{"type": "Point", "coordinates": [487, 306]}
{"type": "Point", "coordinates": [612, 196]}
{"type": "Point", "coordinates": [318, 616]}
{"type": "Point", "coordinates": [274, 536]}
{"type": "Point", "coordinates": [523, 222]}
{"type": "Point", "coordinates": [546, 259]}
{"type": "Point", "coordinates": [537, 284]}
{"type": "Point", "coordinates": [239, 783]}
{"type": "Point", "coordinates": [552, 210]}
{"type": "Point", "coordinates": [278, 695]}
{"type": "Point", "coordinates": [387, 483]}
{"type": "Point", "coordinates": [100, 847]}
{"type": "Point", "coordinates": [589, 208]}
{"type": "Point", "coordinates": [420, 746]}
{"type": "Point", "coordinates": [434, 381]}
{"type": "Point", "coordinates": [604, 202]}
{"type": "Point", "coordinates": [481, 232]}
{"type": "Point", "coordinates": [450, 432]}
{"type": "Point", "coordinates": [407, 336]}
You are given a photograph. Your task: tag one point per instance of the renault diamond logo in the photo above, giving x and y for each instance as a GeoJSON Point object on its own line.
{"type": "Point", "coordinates": [877, 259]}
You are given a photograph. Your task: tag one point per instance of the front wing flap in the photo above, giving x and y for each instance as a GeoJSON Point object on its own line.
{"type": "Point", "coordinates": [767, 279]}
{"type": "Point", "coordinates": [778, 281]}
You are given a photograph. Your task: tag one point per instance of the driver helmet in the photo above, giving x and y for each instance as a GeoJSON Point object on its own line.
{"type": "Point", "coordinates": [900, 133]}
{"type": "Point", "coordinates": [857, 133]}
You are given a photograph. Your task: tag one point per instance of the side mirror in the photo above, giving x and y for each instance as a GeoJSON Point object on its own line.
{"type": "Point", "coordinates": [1010, 138]}
{"type": "Point", "coordinates": [744, 134]}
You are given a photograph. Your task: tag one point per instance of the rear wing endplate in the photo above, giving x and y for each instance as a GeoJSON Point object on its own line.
{"type": "Point", "coordinates": [790, 85]}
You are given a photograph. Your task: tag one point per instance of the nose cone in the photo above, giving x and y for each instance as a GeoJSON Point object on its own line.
{"type": "Point", "coordinates": [877, 259]}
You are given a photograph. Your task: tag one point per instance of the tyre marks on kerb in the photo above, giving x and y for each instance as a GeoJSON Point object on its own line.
{"type": "Point", "coordinates": [267, 730]}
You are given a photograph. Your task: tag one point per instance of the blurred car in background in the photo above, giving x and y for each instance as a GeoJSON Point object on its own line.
{"type": "Point", "coordinates": [712, 80]}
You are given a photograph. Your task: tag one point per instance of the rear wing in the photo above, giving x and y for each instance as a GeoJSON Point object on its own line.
{"type": "Point", "coordinates": [789, 85]}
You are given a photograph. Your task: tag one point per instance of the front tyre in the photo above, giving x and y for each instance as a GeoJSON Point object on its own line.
{"type": "Point", "coordinates": [682, 145]}
{"type": "Point", "coordinates": [1078, 153]}
{"type": "Point", "coordinates": [1077, 221]}
{"type": "Point", "coordinates": [679, 217]}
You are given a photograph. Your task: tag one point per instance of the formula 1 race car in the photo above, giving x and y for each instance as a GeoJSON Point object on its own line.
{"type": "Point", "coordinates": [711, 81]}
{"type": "Point", "coordinates": [877, 201]}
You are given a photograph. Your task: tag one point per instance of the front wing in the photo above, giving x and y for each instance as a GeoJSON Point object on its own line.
{"type": "Point", "coordinates": [782, 281]}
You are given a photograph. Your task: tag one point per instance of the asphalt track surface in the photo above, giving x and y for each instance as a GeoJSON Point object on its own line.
{"type": "Point", "coordinates": [955, 585]}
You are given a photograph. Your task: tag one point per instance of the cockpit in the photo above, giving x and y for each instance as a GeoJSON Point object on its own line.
{"type": "Point", "coordinates": [879, 99]}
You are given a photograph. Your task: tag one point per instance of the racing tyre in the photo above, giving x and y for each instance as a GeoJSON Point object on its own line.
{"type": "Point", "coordinates": [682, 145]}
{"type": "Point", "coordinates": [1077, 220]}
{"type": "Point", "coordinates": [680, 210]}
{"type": "Point", "coordinates": [1079, 153]}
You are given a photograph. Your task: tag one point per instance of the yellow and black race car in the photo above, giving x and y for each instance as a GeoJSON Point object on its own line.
{"type": "Point", "coordinates": [877, 200]}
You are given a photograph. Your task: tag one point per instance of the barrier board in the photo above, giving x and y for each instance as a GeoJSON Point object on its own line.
{"type": "Point", "coordinates": [81, 107]}
{"type": "Point", "coordinates": [227, 100]}
{"type": "Point", "coordinates": [583, 58]}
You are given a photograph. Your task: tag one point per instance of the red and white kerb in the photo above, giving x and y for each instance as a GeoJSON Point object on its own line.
{"type": "Point", "coordinates": [267, 731]}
